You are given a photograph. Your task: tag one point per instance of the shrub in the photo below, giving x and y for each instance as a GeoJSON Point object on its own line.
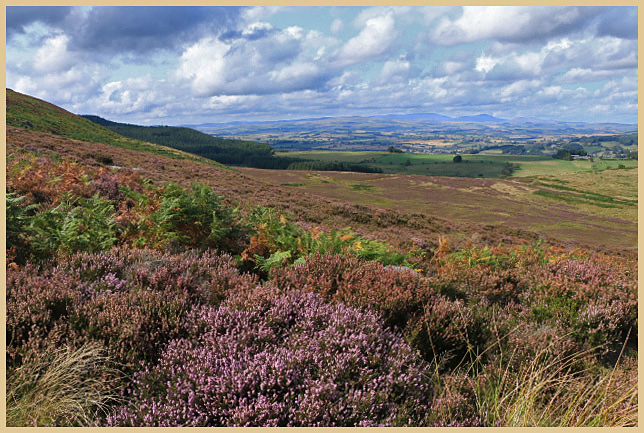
{"type": "Point", "coordinates": [17, 216]}
{"type": "Point", "coordinates": [76, 224]}
{"type": "Point", "coordinates": [133, 302]}
{"type": "Point", "coordinates": [17, 220]}
{"type": "Point", "coordinates": [194, 218]}
{"type": "Point", "coordinates": [397, 294]}
{"type": "Point", "coordinates": [278, 241]}
{"type": "Point", "coordinates": [207, 277]}
{"type": "Point", "coordinates": [289, 360]}
{"type": "Point", "coordinates": [446, 331]}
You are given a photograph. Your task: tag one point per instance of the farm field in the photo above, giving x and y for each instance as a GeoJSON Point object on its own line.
{"type": "Point", "coordinates": [477, 165]}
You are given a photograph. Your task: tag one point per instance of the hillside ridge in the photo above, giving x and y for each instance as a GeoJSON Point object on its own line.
{"type": "Point", "coordinates": [34, 114]}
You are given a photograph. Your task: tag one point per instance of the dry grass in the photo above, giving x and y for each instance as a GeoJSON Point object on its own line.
{"type": "Point", "coordinates": [67, 387]}
{"type": "Point", "coordinates": [552, 391]}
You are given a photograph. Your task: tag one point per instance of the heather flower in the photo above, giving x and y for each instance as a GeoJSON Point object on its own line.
{"type": "Point", "coordinates": [287, 360]}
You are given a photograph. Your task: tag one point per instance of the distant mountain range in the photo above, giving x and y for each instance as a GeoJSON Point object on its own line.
{"type": "Point", "coordinates": [422, 124]}
{"type": "Point", "coordinates": [424, 117]}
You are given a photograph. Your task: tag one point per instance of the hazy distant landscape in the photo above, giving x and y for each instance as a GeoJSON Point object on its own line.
{"type": "Point", "coordinates": [304, 217]}
{"type": "Point", "coordinates": [419, 133]}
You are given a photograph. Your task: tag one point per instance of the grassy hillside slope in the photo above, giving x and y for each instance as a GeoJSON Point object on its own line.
{"type": "Point", "coordinates": [226, 151]}
{"type": "Point", "coordinates": [34, 114]}
{"type": "Point", "coordinates": [597, 209]}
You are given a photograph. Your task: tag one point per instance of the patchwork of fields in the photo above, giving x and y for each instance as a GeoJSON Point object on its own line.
{"type": "Point", "coordinates": [478, 165]}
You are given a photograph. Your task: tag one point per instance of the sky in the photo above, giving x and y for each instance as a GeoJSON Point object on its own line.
{"type": "Point", "coordinates": [191, 65]}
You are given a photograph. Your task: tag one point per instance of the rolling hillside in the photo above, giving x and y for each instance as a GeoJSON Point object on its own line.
{"type": "Point", "coordinates": [395, 208]}
{"type": "Point", "coordinates": [33, 114]}
{"type": "Point", "coordinates": [149, 287]}
{"type": "Point", "coordinates": [225, 151]}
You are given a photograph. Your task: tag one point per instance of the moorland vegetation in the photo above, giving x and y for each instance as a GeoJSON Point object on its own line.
{"type": "Point", "coordinates": [139, 301]}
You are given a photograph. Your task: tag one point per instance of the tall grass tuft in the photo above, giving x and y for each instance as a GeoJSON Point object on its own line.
{"type": "Point", "coordinates": [558, 390]}
{"type": "Point", "coordinates": [65, 388]}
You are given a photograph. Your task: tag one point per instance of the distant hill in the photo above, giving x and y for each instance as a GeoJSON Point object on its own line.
{"type": "Point", "coordinates": [421, 123]}
{"type": "Point", "coordinates": [34, 114]}
{"type": "Point", "coordinates": [225, 151]}
{"type": "Point", "coordinates": [427, 117]}
{"type": "Point", "coordinates": [479, 118]}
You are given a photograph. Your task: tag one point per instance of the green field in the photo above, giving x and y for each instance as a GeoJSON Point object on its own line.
{"type": "Point", "coordinates": [479, 165]}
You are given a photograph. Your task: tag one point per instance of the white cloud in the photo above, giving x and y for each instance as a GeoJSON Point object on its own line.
{"type": "Point", "coordinates": [231, 102]}
{"type": "Point", "coordinates": [282, 61]}
{"type": "Point", "coordinates": [374, 39]}
{"type": "Point", "coordinates": [509, 23]}
{"type": "Point", "coordinates": [256, 27]}
{"type": "Point", "coordinates": [576, 75]}
{"type": "Point", "coordinates": [517, 65]}
{"type": "Point", "coordinates": [451, 67]}
{"type": "Point", "coordinates": [396, 71]}
{"type": "Point", "coordinates": [518, 89]}
{"type": "Point", "coordinates": [68, 86]}
{"type": "Point", "coordinates": [204, 66]}
{"type": "Point", "coordinates": [133, 95]}
{"type": "Point", "coordinates": [485, 63]}
{"type": "Point", "coordinates": [296, 76]}
{"type": "Point", "coordinates": [53, 56]}
{"type": "Point", "coordinates": [259, 13]}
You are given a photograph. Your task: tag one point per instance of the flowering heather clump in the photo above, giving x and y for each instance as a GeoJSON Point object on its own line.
{"type": "Point", "coordinates": [36, 307]}
{"type": "Point", "coordinates": [395, 293]}
{"type": "Point", "coordinates": [454, 404]}
{"type": "Point", "coordinates": [589, 298]}
{"type": "Point", "coordinates": [106, 184]}
{"type": "Point", "coordinates": [594, 298]}
{"type": "Point", "coordinates": [132, 301]}
{"type": "Point", "coordinates": [57, 308]}
{"type": "Point", "coordinates": [207, 276]}
{"type": "Point", "coordinates": [289, 360]}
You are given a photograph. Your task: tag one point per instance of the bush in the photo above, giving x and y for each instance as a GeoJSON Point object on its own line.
{"type": "Point", "coordinates": [396, 294]}
{"type": "Point", "coordinates": [133, 302]}
{"type": "Point", "coordinates": [76, 224]}
{"type": "Point", "coordinates": [446, 331]}
{"type": "Point", "coordinates": [289, 360]}
{"type": "Point", "coordinates": [194, 218]}
{"type": "Point", "coordinates": [278, 241]}
{"type": "Point", "coordinates": [17, 220]}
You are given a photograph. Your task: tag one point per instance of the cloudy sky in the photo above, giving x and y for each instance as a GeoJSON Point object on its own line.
{"type": "Point", "coordinates": [188, 65]}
